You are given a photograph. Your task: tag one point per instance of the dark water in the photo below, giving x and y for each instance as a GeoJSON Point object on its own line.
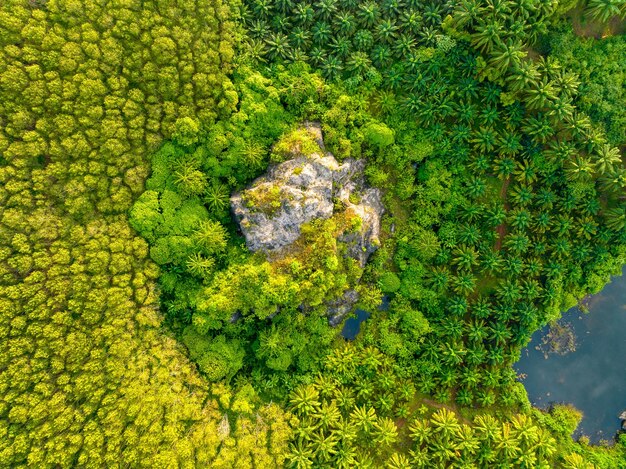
{"type": "Point", "coordinates": [352, 326]}
{"type": "Point", "coordinates": [593, 378]}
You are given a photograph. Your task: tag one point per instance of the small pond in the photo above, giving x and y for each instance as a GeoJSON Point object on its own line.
{"type": "Point", "coordinates": [352, 326]}
{"type": "Point", "coordinates": [593, 377]}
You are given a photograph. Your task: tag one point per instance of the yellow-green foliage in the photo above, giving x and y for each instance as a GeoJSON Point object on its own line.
{"type": "Point", "coordinates": [296, 142]}
{"type": "Point", "coordinates": [87, 377]}
{"type": "Point", "coordinates": [264, 198]}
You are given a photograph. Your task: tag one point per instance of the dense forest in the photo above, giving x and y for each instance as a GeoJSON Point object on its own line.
{"type": "Point", "coordinates": [139, 330]}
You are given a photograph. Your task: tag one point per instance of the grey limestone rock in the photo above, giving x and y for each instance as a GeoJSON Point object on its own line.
{"type": "Point", "coordinates": [271, 211]}
{"type": "Point", "coordinates": [339, 308]}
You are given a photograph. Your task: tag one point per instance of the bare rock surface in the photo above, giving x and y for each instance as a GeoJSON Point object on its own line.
{"type": "Point", "coordinates": [272, 210]}
{"type": "Point", "coordinates": [338, 309]}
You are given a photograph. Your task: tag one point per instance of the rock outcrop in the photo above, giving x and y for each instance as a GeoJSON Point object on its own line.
{"type": "Point", "coordinates": [338, 309]}
{"type": "Point", "coordinates": [275, 206]}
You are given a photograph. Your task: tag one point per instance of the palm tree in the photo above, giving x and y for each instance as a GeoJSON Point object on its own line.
{"type": "Point", "coordinates": [521, 195]}
{"type": "Point", "coordinates": [304, 400]}
{"type": "Point", "coordinates": [432, 14]}
{"type": "Point", "coordinates": [301, 455]}
{"type": "Point", "coordinates": [568, 82]}
{"type": "Point", "coordinates": [410, 21]}
{"type": "Point", "coordinates": [499, 333]}
{"type": "Point", "coordinates": [504, 166]}
{"type": "Point", "coordinates": [200, 266]}
{"type": "Point", "coordinates": [368, 14]}
{"type": "Point", "coordinates": [281, 23]}
{"type": "Point", "coordinates": [359, 63]}
{"type": "Point", "coordinates": [325, 446]}
{"type": "Point", "coordinates": [284, 6]}
{"type": "Point", "coordinates": [457, 305]}
{"type": "Point", "coordinates": [524, 429]}
{"type": "Point", "coordinates": [364, 390]}
{"type": "Point", "coordinates": [398, 461]}
{"type": "Point", "coordinates": [504, 56]}
{"type": "Point", "coordinates": [341, 45]}
{"type": "Point", "coordinates": [485, 397]}
{"type": "Point", "coordinates": [428, 36]}
{"type": "Point", "coordinates": [385, 431]}
{"type": "Point", "coordinates": [587, 227]}
{"type": "Point", "coordinates": [607, 157]}
{"type": "Point", "coordinates": [603, 10]}
{"type": "Point", "coordinates": [344, 23]}
{"type": "Point", "coordinates": [188, 178]}
{"type": "Point", "coordinates": [485, 139]}
{"type": "Point", "coordinates": [452, 354]}
{"type": "Point", "coordinates": [321, 33]}
{"type": "Point", "coordinates": [216, 198]}
{"type": "Point", "coordinates": [467, 442]}
{"type": "Point", "coordinates": [539, 127]}
{"type": "Point", "coordinates": [615, 218]}
{"type": "Point", "coordinates": [278, 46]}
{"type": "Point", "coordinates": [381, 56]}
{"type": "Point", "coordinates": [519, 218]}
{"type": "Point", "coordinates": [523, 75]}
{"type": "Point", "coordinates": [439, 277]}
{"type": "Point", "coordinates": [487, 35]}
{"type": "Point", "coordinates": [578, 124]}
{"type": "Point", "coordinates": [372, 358]}
{"type": "Point", "coordinates": [318, 56]}
{"type": "Point", "coordinates": [464, 284]}
{"type": "Point", "coordinates": [579, 168]}
{"type": "Point", "coordinates": [255, 49]}
{"type": "Point", "coordinates": [404, 45]}
{"type": "Point", "coordinates": [486, 427]}
{"type": "Point", "coordinates": [445, 423]}
{"type": "Point", "coordinates": [466, 12]}
{"type": "Point", "coordinates": [386, 101]}
{"type": "Point", "coordinates": [506, 443]}
{"type": "Point", "coordinates": [210, 236]}
{"type": "Point", "coordinates": [364, 418]}
{"type": "Point", "coordinates": [509, 143]}
{"type": "Point", "coordinates": [345, 456]}
{"type": "Point", "coordinates": [304, 13]}
{"type": "Point", "coordinates": [305, 428]}
{"type": "Point", "coordinates": [419, 431]}
{"type": "Point", "coordinates": [540, 94]}
{"type": "Point", "coordinates": [331, 67]}
{"type": "Point", "coordinates": [327, 415]}
{"type": "Point", "coordinates": [262, 8]}
{"type": "Point", "coordinates": [476, 330]}
{"type": "Point", "coordinates": [465, 257]}
{"type": "Point", "coordinates": [326, 9]}
{"type": "Point", "coordinates": [386, 31]}
{"type": "Point", "coordinates": [300, 37]}
{"type": "Point", "coordinates": [508, 291]}
{"type": "Point", "coordinates": [561, 109]}
{"type": "Point", "coordinates": [614, 182]}
{"type": "Point", "coordinates": [344, 396]}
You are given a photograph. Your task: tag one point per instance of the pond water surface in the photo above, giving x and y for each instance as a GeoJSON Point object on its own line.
{"type": "Point", "coordinates": [352, 326]}
{"type": "Point", "coordinates": [593, 378]}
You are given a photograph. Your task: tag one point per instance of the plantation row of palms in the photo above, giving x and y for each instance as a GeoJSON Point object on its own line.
{"type": "Point", "coordinates": [342, 37]}
{"type": "Point", "coordinates": [539, 181]}
{"type": "Point", "coordinates": [359, 413]}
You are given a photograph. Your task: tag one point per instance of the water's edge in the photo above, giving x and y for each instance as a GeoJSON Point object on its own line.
{"type": "Point", "coordinates": [593, 377]}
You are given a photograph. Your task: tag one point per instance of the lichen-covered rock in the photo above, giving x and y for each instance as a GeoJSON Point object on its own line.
{"type": "Point", "coordinates": [273, 209]}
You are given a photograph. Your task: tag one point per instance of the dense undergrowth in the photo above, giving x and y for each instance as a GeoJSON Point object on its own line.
{"type": "Point", "coordinates": [504, 200]}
